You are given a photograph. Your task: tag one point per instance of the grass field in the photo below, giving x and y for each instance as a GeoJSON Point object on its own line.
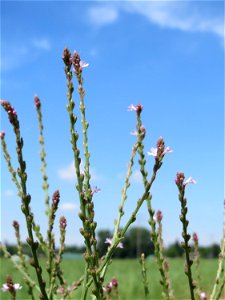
{"type": "Point", "coordinates": [128, 273]}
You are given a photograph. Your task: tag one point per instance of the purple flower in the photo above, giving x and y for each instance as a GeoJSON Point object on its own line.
{"type": "Point", "coordinates": [95, 190]}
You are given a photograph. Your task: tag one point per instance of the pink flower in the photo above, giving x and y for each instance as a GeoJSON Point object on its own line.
{"type": "Point", "coordinates": [95, 190]}
{"type": "Point", "coordinates": [6, 287]}
{"type": "Point", "coordinates": [138, 108]}
{"type": "Point", "coordinates": [190, 180]}
{"type": "Point", "coordinates": [109, 241]}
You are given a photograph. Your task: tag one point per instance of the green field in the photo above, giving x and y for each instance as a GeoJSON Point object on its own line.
{"type": "Point", "coordinates": [128, 273]}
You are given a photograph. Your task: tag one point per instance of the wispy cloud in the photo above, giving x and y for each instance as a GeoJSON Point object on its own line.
{"type": "Point", "coordinates": [41, 43]}
{"type": "Point", "coordinates": [68, 173]}
{"type": "Point", "coordinates": [180, 15]}
{"type": "Point", "coordinates": [17, 53]}
{"type": "Point", "coordinates": [68, 206]}
{"type": "Point", "coordinates": [103, 14]}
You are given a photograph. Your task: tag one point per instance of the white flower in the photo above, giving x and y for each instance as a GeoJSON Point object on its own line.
{"type": "Point", "coordinates": [190, 180]}
{"type": "Point", "coordinates": [6, 287]}
{"type": "Point", "coordinates": [83, 64]}
{"type": "Point", "coordinates": [152, 152]}
{"type": "Point", "coordinates": [203, 296]}
{"type": "Point", "coordinates": [109, 241]}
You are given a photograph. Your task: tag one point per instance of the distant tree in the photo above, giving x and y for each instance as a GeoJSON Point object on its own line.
{"type": "Point", "coordinates": [136, 241]}
{"type": "Point", "coordinates": [174, 250]}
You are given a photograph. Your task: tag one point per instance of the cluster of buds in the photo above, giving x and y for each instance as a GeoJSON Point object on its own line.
{"type": "Point", "coordinates": [160, 150]}
{"type": "Point", "coordinates": [78, 66]}
{"type": "Point", "coordinates": [55, 198]}
{"type": "Point", "coordinates": [159, 216]}
{"type": "Point", "coordinates": [12, 114]}
{"type": "Point", "coordinates": [37, 102]}
{"type": "Point", "coordinates": [67, 58]}
{"type": "Point", "coordinates": [11, 287]}
{"type": "Point", "coordinates": [195, 237]}
{"type": "Point", "coordinates": [62, 222]}
{"type": "Point", "coordinates": [16, 225]}
{"type": "Point", "coordinates": [2, 135]}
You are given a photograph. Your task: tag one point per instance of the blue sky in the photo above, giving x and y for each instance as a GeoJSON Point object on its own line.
{"type": "Point", "coordinates": [168, 55]}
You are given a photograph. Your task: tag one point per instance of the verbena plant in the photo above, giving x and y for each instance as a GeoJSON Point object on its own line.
{"type": "Point", "coordinates": [92, 283]}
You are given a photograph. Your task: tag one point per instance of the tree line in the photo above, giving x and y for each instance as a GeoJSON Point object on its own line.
{"type": "Point", "coordinates": [136, 241]}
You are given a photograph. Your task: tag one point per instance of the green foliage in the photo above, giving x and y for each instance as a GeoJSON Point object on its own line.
{"type": "Point", "coordinates": [129, 277]}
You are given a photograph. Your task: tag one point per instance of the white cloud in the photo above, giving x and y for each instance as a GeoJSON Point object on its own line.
{"type": "Point", "coordinates": [68, 206]}
{"type": "Point", "coordinates": [178, 15]}
{"type": "Point", "coordinates": [69, 173]}
{"type": "Point", "coordinates": [17, 53]}
{"type": "Point", "coordinates": [41, 43]}
{"type": "Point", "coordinates": [181, 15]}
{"type": "Point", "coordinates": [103, 15]}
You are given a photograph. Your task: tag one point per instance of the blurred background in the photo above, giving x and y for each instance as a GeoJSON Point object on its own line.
{"type": "Point", "coordinates": [166, 55]}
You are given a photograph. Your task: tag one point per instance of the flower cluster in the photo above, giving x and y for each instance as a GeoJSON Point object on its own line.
{"type": "Point", "coordinates": [12, 114]}
{"type": "Point", "coordinates": [56, 198]}
{"type": "Point", "coordinates": [62, 222]}
{"type": "Point", "coordinates": [113, 284]}
{"type": "Point", "coordinates": [37, 102]}
{"type": "Point", "coordinates": [11, 287]}
{"type": "Point", "coordinates": [137, 108]}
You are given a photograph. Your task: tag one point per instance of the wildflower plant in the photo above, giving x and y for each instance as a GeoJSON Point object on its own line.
{"type": "Point", "coordinates": [53, 284]}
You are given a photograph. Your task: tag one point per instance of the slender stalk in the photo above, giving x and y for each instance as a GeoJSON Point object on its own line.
{"type": "Point", "coordinates": [144, 276]}
{"type": "Point", "coordinates": [220, 275]}
{"type": "Point", "coordinates": [25, 197]}
{"type": "Point", "coordinates": [183, 218]}
{"type": "Point", "coordinates": [45, 184]}
{"type": "Point", "coordinates": [85, 195]}
{"type": "Point", "coordinates": [22, 258]}
{"type": "Point", "coordinates": [156, 236]}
